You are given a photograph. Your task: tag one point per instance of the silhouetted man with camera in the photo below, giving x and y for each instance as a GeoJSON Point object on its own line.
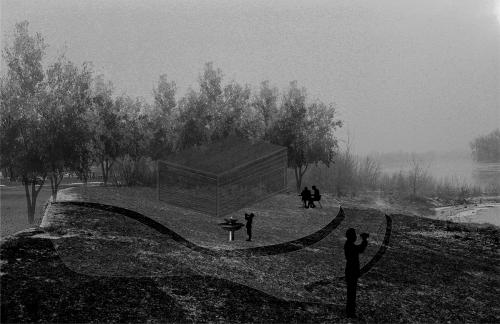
{"type": "Point", "coordinates": [352, 274]}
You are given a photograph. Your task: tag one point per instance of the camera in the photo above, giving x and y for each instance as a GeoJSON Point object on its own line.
{"type": "Point", "coordinates": [364, 236]}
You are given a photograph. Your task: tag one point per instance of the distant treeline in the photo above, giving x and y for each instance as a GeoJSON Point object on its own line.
{"type": "Point", "coordinates": [487, 148]}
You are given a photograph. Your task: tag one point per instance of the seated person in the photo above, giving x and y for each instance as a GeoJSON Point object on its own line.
{"type": "Point", "coordinates": [306, 197]}
{"type": "Point", "coordinates": [315, 197]}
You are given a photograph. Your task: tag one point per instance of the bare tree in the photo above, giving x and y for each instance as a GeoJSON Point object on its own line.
{"type": "Point", "coordinates": [369, 173]}
{"type": "Point", "coordinates": [417, 174]}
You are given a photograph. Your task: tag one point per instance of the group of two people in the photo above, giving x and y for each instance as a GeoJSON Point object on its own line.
{"type": "Point", "coordinates": [309, 198]}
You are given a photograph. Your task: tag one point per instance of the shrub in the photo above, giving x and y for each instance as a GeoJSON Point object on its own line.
{"type": "Point", "coordinates": [134, 172]}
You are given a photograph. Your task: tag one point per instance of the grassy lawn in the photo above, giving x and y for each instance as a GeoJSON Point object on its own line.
{"type": "Point", "coordinates": [94, 265]}
{"type": "Point", "coordinates": [13, 206]}
{"type": "Point", "coordinates": [116, 246]}
{"type": "Point", "coordinates": [278, 219]}
{"type": "Point", "coordinates": [13, 209]}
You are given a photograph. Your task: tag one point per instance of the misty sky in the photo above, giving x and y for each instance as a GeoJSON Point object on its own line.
{"type": "Point", "coordinates": [405, 75]}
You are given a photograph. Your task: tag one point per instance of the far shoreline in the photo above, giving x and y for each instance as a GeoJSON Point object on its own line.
{"type": "Point", "coordinates": [427, 207]}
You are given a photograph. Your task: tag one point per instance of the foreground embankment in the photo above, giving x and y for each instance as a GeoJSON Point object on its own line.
{"type": "Point", "coordinates": [433, 271]}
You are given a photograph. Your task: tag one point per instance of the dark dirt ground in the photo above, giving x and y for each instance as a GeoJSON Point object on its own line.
{"type": "Point", "coordinates": [434, 271]}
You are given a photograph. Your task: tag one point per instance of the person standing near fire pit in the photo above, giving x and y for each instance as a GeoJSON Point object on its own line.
{"type": "Point", "coordinates": [249, 219]}
{"type": "Point", "coordinates": [352, 274]}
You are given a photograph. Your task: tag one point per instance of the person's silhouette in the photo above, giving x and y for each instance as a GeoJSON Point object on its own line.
{"type": "Point", "coordinates": [306, 197]}
{"type": "Point", "coordinates": [352, 274]}
{"type": "Point", "coordinates": [249, 219]}
{"type": "Point", "coordinates": [316, 196]}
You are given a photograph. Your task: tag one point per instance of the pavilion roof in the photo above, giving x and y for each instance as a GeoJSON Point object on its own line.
{"type": "Point", "coordinates": [224, 155]}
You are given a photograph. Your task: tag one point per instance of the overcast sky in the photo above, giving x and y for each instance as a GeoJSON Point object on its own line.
{"type": "Point", "coordinates": [405, 75]}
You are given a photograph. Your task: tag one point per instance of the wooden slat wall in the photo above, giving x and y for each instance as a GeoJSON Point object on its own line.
{"type": "Point", "coordinates": [245, 191]}
{"type": "Point", "coordinates": [186, 189]}
{"type": "Point", "coordinates": [231, 191]}
{"type": "Point", "coordinates": [272, 162]}
{"type": "Point", "coordinates": [255, 182]}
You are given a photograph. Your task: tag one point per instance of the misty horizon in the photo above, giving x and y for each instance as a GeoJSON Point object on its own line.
{"type": "Point", "coordinates": [405, 76]}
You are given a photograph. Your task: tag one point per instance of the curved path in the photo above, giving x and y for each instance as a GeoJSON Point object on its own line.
{"type": "Point", "coordinates": [370, 264]}
{"type": "Point", "coordinates": [256, 251]}
{"type": "Point", "coordinates": [381, 250]}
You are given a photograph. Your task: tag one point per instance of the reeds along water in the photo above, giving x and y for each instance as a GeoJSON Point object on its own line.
{"type": "Point", "coordinates": [448, 177]}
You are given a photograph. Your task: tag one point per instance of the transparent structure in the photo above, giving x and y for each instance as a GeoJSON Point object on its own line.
{"type": "Point", "coordinates": [223, 177]}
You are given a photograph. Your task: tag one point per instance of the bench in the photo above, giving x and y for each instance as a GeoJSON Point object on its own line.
{"type": "Point", "coordinates": [314, 199]}
{"type": "Point", "coordinates": [317, 199]}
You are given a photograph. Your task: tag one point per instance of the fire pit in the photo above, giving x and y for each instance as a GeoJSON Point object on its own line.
{"type": "Point", "coordinates": [231, 225]}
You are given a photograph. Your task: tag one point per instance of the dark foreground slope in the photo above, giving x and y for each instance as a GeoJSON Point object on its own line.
{"type": "Point", "coordinates": [37, 286]}
{"type": "Point", "coordinates": [433, 272]}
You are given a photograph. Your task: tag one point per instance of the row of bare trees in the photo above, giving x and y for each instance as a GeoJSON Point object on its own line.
{"type": "Point", "coordinates": [65, 118]}
{"type": "Point", "coordinates": [352, 175]}
{"type": "Point", "coordinates": [349, 175]}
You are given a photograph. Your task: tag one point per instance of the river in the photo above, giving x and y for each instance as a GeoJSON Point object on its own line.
{"type": "Point", "coordinates": [475, 213]}
{"type": "Point", "coordinates": [458, 168]}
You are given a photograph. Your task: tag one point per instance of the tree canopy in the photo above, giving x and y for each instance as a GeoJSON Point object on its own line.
{"type": "Point", "coordinates": [65, 118]}
{"type": "Point", "coordinates": [306, 129]}
{"type": "Point", "coordinates": [487, 148]}
{"type": "Point", "coordinates": [21, 127]}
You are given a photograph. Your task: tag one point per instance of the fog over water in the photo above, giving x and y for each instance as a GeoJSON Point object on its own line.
{"type": "Point", "coordinates": [405, 75]}
{"type": "Point", "coordinates": [456, 167]}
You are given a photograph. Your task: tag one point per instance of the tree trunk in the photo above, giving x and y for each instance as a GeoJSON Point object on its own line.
{"type": "Point", "coordinates": [298, 180]}
{"type": "Point", "coordinates": [31, 198]}
{"type": "Point", "coordinates": [85, 186]}
{"type": "Point", "coordinates": [103, 171]}
{"type": "Point", "coordinates": [11, 174]}
{"type": "Point", "coordinates": [85, 177]}
{"type": "Point", "coordinates": [31, 214]}
{"type": "Point", "coordinates": [105, 167]}
{"type": "Point", "coordinates": [299, 173]}
{"type": "Point", "coordinates": [55, 181]}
